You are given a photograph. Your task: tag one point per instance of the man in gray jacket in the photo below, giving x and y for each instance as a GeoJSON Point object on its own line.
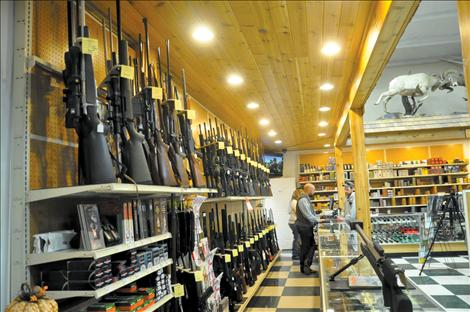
{"type": "Point", "coordinates": [306, 220]}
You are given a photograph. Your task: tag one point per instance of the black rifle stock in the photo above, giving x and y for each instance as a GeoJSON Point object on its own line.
{"type": "Point", "coordinates": [94, 159]}
{"type": "Point", "coordinates": [133, 151]}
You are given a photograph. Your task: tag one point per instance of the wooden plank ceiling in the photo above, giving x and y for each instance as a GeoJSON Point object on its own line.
{"type": "Point", "coordinates": [274, 45]}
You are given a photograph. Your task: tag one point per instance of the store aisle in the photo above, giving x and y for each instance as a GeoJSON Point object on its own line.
{"type": "Point", "coordinates": [286, 289]}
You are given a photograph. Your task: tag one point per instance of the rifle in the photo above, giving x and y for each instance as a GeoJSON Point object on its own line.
{"type": "Point", "coordinates": [176, 154]}
{"type": "Point", "coordinates": [215, 169]}
{"type": "Point", "coordinates": [206, 159]}
{"type": "Point", "coordinates": [241, 183]}
{"type": "Point", "coordinates": [239, 271]}
{"type": "Point", "coordinates": [165, 167]}
{"type": "Point", "coordinates": [250, 180]}
{"type": "Point", "coordinates": [258, 244]}
{"type": "Point", "coordinates": [230, 163]}
{"type": "Point", "coordinates": [188, 141]}
{"type": "Point", "coordinates": [224, 171]}
{"type": "Point", "coordinates": [80, 98]}
{"type": "Point", "coordinates": [252, 253]}
{"type": "Point", "coordinates": [244, 259]}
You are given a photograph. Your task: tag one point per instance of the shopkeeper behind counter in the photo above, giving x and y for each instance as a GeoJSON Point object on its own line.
{"type": "Point", "coordinates": [350, 203]}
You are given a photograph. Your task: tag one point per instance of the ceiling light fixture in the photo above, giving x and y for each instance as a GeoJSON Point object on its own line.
{"type": "Point", "coordinates": [264, 122]}
{"type": "Point", "coordinates": [327, 145]}
{"type": "Point", "coordinates": [203, 34]}
{"type": "Point", "coordinates": [331, 48]}
{"type": "Point", "coordinates": [234, 79]}
{"type": "Point", "coordinates": [321, 134]}
{"type": "Point", "coordinates": [326, 86]}
{"type": "Point", "coordinates": [325, 109]}
{"type": "Point", "coordinates": [272, 133]}
{"type": "Point", "coordinates": [252, 105]}
{"type": "Point", "coordinates": [323, 123]}
{"type": "Point", "coordinates": [278, 141]}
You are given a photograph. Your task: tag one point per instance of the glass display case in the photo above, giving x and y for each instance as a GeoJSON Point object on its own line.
{"type": "Point", "coordinates": [357, 288]}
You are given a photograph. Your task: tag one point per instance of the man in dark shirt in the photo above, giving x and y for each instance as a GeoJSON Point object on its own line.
{"type": "Point", "coordinates": [306, 220]}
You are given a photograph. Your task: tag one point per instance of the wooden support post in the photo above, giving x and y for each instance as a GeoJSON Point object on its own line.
{"type": "Point", "coordinates": [340, 176]}
{"type": "Point", "coordinates": [463, 9]}
{"type": "Point", "coordinates": [361, 172]}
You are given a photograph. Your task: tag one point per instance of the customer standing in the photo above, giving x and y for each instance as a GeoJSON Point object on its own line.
{"type": "Point", "coordinates": [306, 220]}
{"type": "Point", "coordinates": [292, 218]}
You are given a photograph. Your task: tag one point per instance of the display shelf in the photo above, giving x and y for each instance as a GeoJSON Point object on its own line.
{"type": "Point", "coordinates": [159, 304]}
{"type": "Point", "coordinates": [322, 181]}
{"type": "Point", "coordinates": [418, 186]}
{"type": "Point", "coordinates": [317, 172]}
{"type": "Point", "coordinates": [413, 247]}
{"type": "Point", "coordinates": [321, 200]}
{"type": "Point", "coordinates": [35, 259]}
{"type": "Point", "coordinates": [419, 166]}
{"type": "Point", "coordinates": [399, 196]}
{"type": "Point", "coordinates": [419, 176]}
{"type": "Point", "coordinates": [326, 191]}
{"type": "Point", "coordinates": [253, 289]}
{"type": "Point", "coordinates": [234, 198]}
{"type": "Point", "coordinates": [112, 189]}
{"type": "Point", "coordinates": [100, 292]}
{"type": "Point", "coordinates": [400, 206]}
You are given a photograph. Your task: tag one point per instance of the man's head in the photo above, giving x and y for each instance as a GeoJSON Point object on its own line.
{"type": "Point", "coordinates": [349, 187]}
{"type": "Point", "coordinates": [309, 189]}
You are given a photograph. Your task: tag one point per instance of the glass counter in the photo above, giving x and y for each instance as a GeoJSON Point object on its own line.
{"type": "Point", "coordinates": [337, 245]}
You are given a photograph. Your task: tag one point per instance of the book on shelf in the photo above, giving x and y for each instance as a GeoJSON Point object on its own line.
{"type": "Point", "coordinates": [90, 224]}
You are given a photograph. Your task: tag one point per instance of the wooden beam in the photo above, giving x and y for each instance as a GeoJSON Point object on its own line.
{"type": "Point", "coordinates": [361, 172]}
{"type": "Point", "coordinates": [340, 176]}
{"type": "Point", "coordinates": [384, 30]}
{"type": "Point", "coordinates": [463, 9]}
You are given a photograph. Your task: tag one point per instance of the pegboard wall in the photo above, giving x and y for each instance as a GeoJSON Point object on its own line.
{"type": "Point", "coordinates": [54, 148]}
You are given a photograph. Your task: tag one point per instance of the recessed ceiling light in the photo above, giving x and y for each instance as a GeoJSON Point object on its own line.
{"type": "Point", "coordinates": [325, 109]}
{"type": "Point", "coordinates": [323, 124]}
{"type": "Point", "coordinates": [203, 34]}
{"type": "Point", "coordinates": [326, 87]}
{"type": "Point", "coordinates": [331, 48]}
{"type": "Point", "coordinates": [234, 79]}
{"type": "Point", "coordinates": [322, 134]}
{"type": "Point", "coordinates": [327, 145]}
{"type": "Point", "coordinates": [252, 105]}
{"type": "Point", "coordinates": [272, 133]}
{"type": "Point", "coordinates": [278, 141]}
{"type": "Point", "coordinates": [264, 122]}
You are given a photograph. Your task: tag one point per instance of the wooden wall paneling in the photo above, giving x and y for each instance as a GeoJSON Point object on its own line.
{"type": "Point", "coordinates": [361, 172]}
{"type": "Point", "coordinates": [463, 9]}
{"type": "Point", "coordinates": [340, 176]}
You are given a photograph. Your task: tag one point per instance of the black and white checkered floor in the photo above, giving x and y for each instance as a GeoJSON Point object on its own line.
{"type": "Point", "coordinates": [446, 280]}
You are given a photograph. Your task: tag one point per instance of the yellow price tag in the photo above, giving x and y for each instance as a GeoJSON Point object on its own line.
{"type": "Point", "coordinates": [228, 258]}
{"type": "Point", "coordinates": [242, 156]}
{"type": "Point", "coordinates": [229, 150]}
{"type": "Point", "coordinates": [248, 159]}
{"type": "Point", "coordinates": [247, 244]}
{"type": "Point", "coordinates": [178, 290]}
{"type": "Point", "coordinates": [178, 105]}
{"type": "Point", "coordinates": [198, 277]}
{"type": "Point", "coordinates": [237, 153]}
{"type": "Point", "coordinates": [221, 145]}
{"type": "Point", "coordinates": [256, 238]}
{"type": "Point", "coordinates": [127, 72]}
{"type": "Point", "coordinates": [252, 240]}
{"type": "Point", "coordinates": [89, 45]}
{"type": "Point", "coordinates": [235, 253]}
{"type": "Point", "coordinates": [191, 114]}
{"type": "Point", "coordinates": [240, 248]}
{"type": "Point", "coordinates": [157, 93]}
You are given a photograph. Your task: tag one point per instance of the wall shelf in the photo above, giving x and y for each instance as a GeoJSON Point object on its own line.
{"type": "Point", "coordinates": [159, 303]}
{"type": "Point", "coordinates": [35, 259]}
{"type": "Point", "coordinates": [400, 206]}
{"type": "Point", "coordinates": [420, 176]}
{"type": "Point", "coordinates": [418, 186]}
{"type": "Point", "coordinates": [234, 198]}
{"type": "Point", "coordinates": [110, 190]}
{"type": "Point", "coordinates": [100, 292]}
{"type": "Point", "coordinates": [321, 200]}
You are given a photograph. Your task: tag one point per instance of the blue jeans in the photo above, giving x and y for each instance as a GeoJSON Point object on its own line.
{"type": "Point", "coordinates": [296, 241]}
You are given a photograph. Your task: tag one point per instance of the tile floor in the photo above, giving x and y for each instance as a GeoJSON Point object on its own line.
{"type": "Point", "coordinates": [285, 289]}
{"type": "Point", "coordinates": [445, 279]}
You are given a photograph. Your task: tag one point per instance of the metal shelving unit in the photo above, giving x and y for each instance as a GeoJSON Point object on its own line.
{"type": "Point", "coordinates": [100, 292]}
{"type": "Point", "coordinates": [35, 259]}
{"type": "Point", "coordinates": [159, 303]}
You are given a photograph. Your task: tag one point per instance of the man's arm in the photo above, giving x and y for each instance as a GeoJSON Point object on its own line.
{"type": "Point", "coordinates": [305, 208]}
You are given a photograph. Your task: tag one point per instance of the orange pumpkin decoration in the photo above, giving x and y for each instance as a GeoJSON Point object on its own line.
{"type": "Point", "coordinates": [32, 301]}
